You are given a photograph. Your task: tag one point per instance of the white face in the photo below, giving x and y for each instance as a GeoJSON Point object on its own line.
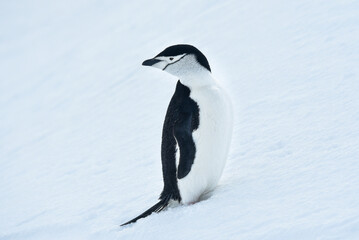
{"type": "Point", "coordinates": [181, 66]}
{"type": "Point", "coordinates": [167, 61]}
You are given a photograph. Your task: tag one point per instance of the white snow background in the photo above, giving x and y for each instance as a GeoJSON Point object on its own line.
{"type": "Point", "coordinates": [81, 119]}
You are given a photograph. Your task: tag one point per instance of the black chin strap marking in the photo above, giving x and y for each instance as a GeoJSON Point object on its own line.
{"type": "Point", "coordinates": [173, 62]}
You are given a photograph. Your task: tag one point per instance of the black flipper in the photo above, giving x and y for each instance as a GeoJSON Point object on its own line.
{"type": "Point", "coordinates": [158, 207]}
{"type": "Point", "coordinates": [183, 134]}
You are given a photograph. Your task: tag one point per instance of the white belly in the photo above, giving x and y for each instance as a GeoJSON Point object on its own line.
{"type": "Point", "coordinates": [212, 139]}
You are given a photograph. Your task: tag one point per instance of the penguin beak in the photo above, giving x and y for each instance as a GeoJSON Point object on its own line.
{"type": "Point", "coordinates": [153, 62]}
{"type": "Point", "coordinates": [150, 62]}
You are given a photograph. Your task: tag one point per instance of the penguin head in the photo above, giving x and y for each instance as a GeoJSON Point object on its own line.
{"type": "Point", "coordinates": [180, 60]}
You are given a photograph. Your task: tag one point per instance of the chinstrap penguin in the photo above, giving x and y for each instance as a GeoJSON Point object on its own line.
{"type": "Point", "coordinates": [197, 129]}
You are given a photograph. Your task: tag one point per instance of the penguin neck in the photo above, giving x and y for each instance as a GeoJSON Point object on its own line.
{"type": "Point", "coordinates": [197, 79]}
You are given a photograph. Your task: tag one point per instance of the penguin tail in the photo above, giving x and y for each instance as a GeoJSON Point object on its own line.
{"type": "Point", "coordinates": [158, 207]}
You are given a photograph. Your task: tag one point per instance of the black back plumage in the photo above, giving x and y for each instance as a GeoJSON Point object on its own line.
{"type": "Point", "coordinates": [182, 118]}
{"type": "Point", "coordinates": [176, 124]}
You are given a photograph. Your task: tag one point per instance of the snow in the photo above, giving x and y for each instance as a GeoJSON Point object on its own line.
{"type": "Point", "coordinates": [81, 119]}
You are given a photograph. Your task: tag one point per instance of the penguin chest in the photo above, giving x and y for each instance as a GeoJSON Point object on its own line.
{"type": "Point", "coordinates": [211, 138]}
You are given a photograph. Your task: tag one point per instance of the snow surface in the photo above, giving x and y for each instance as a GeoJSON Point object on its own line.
{"type": "Point", "coordinates": [81, 119]}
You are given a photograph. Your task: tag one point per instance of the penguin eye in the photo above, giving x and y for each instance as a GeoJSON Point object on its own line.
{"type": "Point", "coordinates": [171, 58]}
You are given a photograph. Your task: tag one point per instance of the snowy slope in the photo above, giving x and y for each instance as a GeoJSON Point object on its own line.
{"type": "Point", "coordinates": [81, 119]}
